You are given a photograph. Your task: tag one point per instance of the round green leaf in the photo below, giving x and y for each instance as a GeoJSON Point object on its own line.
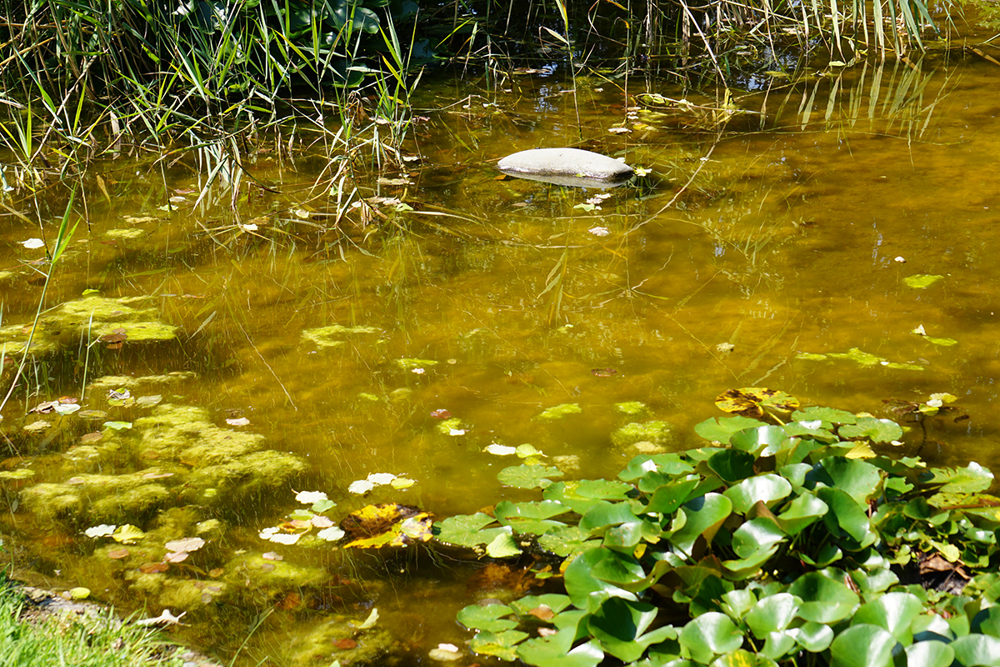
{"type": "Point", "coordinates": [721, 429]}
{"type": "Point", "coordinates": [987, 622]}
{"type": "Point", "coordinates": [862, 646]}
{"type": "Point", "coordinates": [703, 518]}
{"type": "Point", "coordinates": [604, 514]}
{"type": "Point", "coordinates": [977, 650]}
{"type": "Point", "coordinates": [553, 652]}
{"type": "Point", "coordinates": [894, 612]}
{"type": "Point", "coordinates": [876, 430]}
{"type": "Point", "coordinates": [584, 587]}
{"type": "Point", "coordinates": [831, 415]}
{"type": "Point", "coordinates": [772, 614]}
{"type": "Point", "coordinates": [467, 530]}
{"type": "Point", "coordinates": [765, 488]}
{"type": "Point", "coordinates": [487, 617]}
{"type": "Point", "coordinates": [754, 440]}
{"type": "Point", "coordinates": [804, 511]}
{"type": "Point", "coordinates": [846, 514]}
{"type": "Point", "coordinates": [618, 624]}
{"type": "Point", "coordinates": [778, 644]}
{"type": "Point", "coordinates": [929, 654]}
{"type": "Point", "coordinates": [755, 536]}
{"type": "Point", "coordinates": [709, 635]}
{"type": "Point", "coordinates": [732, 465]}
{"type": "Point", "coordinates": [813, 637]}
{"type": "Point", "coordinates": [528, 476]}
{"type": "Point", "coordinates": [824, 599]}
{"type": "Point", "coordinates": [857, 478]}
{"type": "Point", "coordinates": [668, 497]}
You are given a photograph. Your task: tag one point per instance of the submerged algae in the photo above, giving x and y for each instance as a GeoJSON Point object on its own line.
{"type": "Point", "coordinates": [656, 432]}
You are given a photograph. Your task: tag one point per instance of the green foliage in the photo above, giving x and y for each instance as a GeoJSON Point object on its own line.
{"type": "Point", "coordinates": [778, 544]}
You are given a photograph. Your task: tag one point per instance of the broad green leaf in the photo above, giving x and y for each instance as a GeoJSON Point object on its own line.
{"type": "Point", "coordinates": [757, 535]}
{"type": "Point", "coordinates": [804, 511]}
{"type": "Point", "coordinates": [605, 514]}
{"type": "Point", "coordinates": [567, 541]}
{"type": "Point", "coordinates": [502, 546]}
{"type": "Point", "coordinates": [876, 430]}
{"type": "Point", "coordinates": [587, 489]}
{"type": "Point", "coordinates": [977, 650]}
{"type": "Point", "coordinates": [586, 589]}
{"type": "Point", "coordinates": [737, 603]}
{"type": "Point", "coordinates": [669, 464]}
{"type": "Point", "coordinates": [742, 658]}
{"type": "Point", "coordinates": [929, 654]}
{"type": "Point", "coordinates": [618, 625]}
{"type": "Point", "coordinates": [704, 516]}
{"type": "Point", "coordinates": [528, 476]}
{"type": "Point", "coordinates": [773, 613]}
{"type": "Point", "coordinates": [859, 479]}
{"type": "Point", "coordinates": [813, 637]}
{"type": "Point", "coordinates": [971, 479]}
{"type": "Point", "coordinates": [778, 644]}
{"type": "Point", "coordinates": [824, 600]}
{"type": "Point", "coordinates": [720, 429]}
{"type": "Point", "coordinates": [764, 488]}
{"type": "Point", "coordinates": [668, 497]}
{"type": "Point", "coordinates": [862, 646]}
{"type": "Point", "coordinates": [555, 602]}
{"type": "Point", "coordinates": [554, 651]}
{"type": "Point", "coordinates": [732, 465]}
{"type": "Point", "coordinates": [894, 612]}
{"type": "Point", "coordinates": [498, 644]}
{"type": "Point", "coordinates": [467, 530]}
{"type": "Point", "coordinates": [846, 513]}
{"type": "Point", "coordinates": [709, 635]}
{"type": "Point", "coordinates": [531, 517]}
{"type": "Point", "coordinates": [831, 415]}
{"type": "Point", "coordinates": [987, 622]}
{"type": "Point", "coordinates": [486, 617]}
{"type": "Point", "coordinates": [760, 439]}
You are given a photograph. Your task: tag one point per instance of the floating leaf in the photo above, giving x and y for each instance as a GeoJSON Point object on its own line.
{"type": "Point", "coordinates": [754, 402]}
{"type": "Point", "coordinates": [499, 450]}
{"type": "Point", "coordinates": [876, 430]}
{"type": "Point", "coordinates": [487, 617]}
{"type": "Point", "coordinates": [720, 429]}
{"type": "Point", "coordinates": [502, 546]}
{"type": "Point", "coordinates": [389, 524]}
{"type": "Point", "coordinates": [186, 544]}
{"type": "Point", "coordinates": [79, 593]}
{"type": "Point", "coordinates": [528, 476]}
{"type": "Point", "coordinates": [467, 530]}
{"type": "Point", "coordinates": [118, 426]}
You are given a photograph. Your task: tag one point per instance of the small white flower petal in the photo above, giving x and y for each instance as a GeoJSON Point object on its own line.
{"type": "Point", "coordinates": [285, 538]}
{"type": "Point", "coordinates": [500, 450]}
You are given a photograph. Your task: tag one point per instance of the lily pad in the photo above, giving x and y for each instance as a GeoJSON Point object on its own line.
{"type": "Point", "coordinates": [754, 402]}
{"type": "Point", "coordinates": [921, 280]}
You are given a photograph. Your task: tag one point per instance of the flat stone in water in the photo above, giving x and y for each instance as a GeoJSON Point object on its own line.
{"type": "Point", "coordinates": [566, 166]}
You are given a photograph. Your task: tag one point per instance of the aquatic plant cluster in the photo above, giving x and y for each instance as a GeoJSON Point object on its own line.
{"type": "Point", "coordinates": [779, 543]}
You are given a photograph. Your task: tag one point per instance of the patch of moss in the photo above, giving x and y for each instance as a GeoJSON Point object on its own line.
{"type": "Point", "coordinates": [330, 336]}
{"type": "Point", "coordinates": [270, 576]}
{"type": "Point", "coordinates": [632, 408]}
{"type": "Point", "coordinates": [139, 331]}
{"type": "Point", "coordinates": [656, 432]}
{"type": "Point", "coordinates": [316, 645]}
{"type": "Point", "coordinates": [560, 411]}
{"type": "Point", "coordinates": [133, 505]}
{"type": "Point", "coordinates": [248, 475]}
{"type": "Point", "coordinates": [20, 474]}
{"type": "Point", "coordinates": [124, 234]}
{"type": "Point", "coordinates": [49, 502]}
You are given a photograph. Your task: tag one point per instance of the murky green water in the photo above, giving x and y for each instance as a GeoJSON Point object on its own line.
{"type": "Point", "coordinates": [800, 222]}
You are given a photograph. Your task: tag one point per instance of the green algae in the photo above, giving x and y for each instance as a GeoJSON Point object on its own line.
{"type": "Point", "coordinates": [124, 234]}
{"type": "Point", "coordinates": [560, 411]}
{"type": "Point", "coordinates": [250, 475]}
{"type": "Point", "coordinates": [270, 576]}
{"type": "Point", "coordinates": [413, 364]}
{"type": "Point", "coordinates": [330, 336]}
{"type": "Point", "coordinates": [14, 475]}
{"type": "Point", "coordinates": [632, 408]}
{"type": "Point", "coordinates": [656, 432]}
{"type": "Point", "coordinates": [317, 645]}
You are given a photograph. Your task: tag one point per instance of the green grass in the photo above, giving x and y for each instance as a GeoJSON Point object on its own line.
{"type": "Point", "coordinates": [66, 638]}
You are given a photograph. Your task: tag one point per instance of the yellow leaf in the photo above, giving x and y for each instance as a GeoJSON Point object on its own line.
{"type": "Point", "coordinates": [861, 450]}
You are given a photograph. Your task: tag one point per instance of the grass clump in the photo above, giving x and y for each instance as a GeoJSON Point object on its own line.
{"type": "Point", "coordinates": [31, 637]}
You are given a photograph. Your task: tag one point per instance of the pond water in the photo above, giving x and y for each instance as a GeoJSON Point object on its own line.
{"type": "Point", "coordinates": [835, 240]}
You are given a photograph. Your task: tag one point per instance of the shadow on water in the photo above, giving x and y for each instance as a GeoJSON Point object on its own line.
{"type": "Point", "coordinates": [831, 236]}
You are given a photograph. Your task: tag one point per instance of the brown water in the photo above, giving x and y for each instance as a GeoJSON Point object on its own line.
{"type": "Point", "coordinates": [799, 223]}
